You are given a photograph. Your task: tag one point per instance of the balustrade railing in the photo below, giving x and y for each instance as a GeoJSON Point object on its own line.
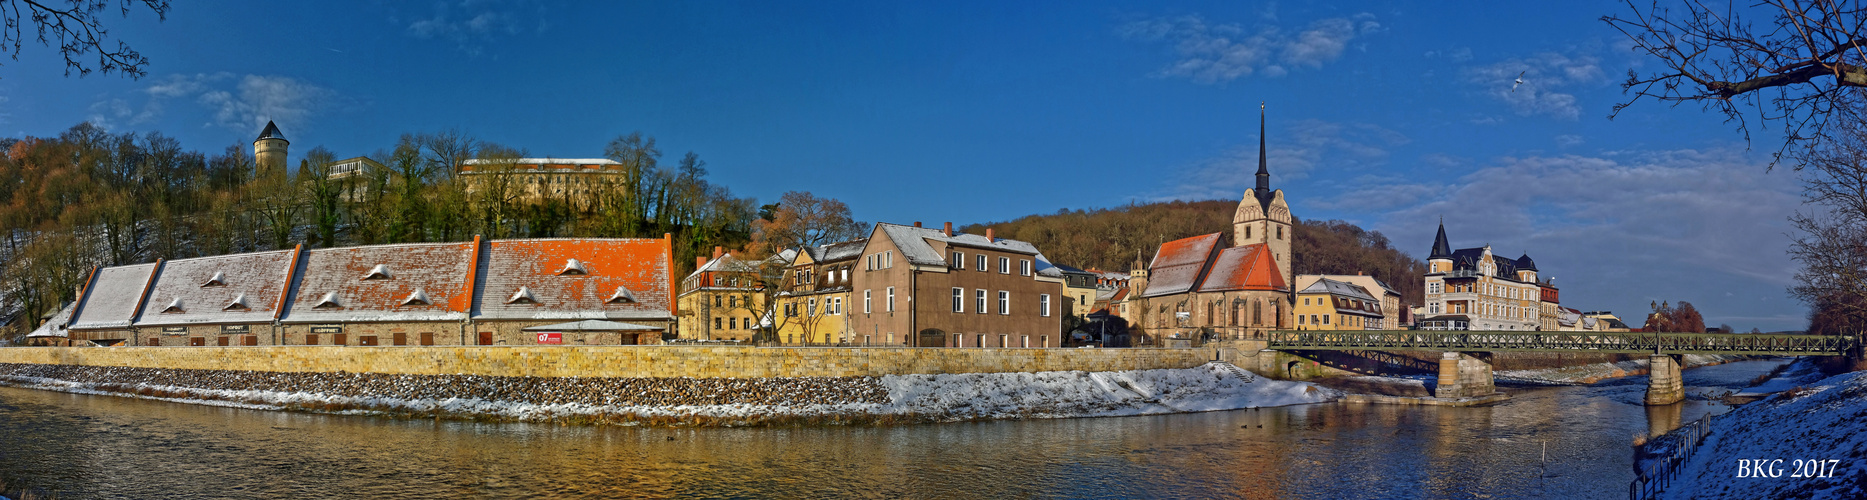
{"type": "Point", "coordinates": [1622, 342]}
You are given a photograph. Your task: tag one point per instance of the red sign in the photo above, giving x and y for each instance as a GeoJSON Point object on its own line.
{"type": "Point", "coordinates": [551, 338]}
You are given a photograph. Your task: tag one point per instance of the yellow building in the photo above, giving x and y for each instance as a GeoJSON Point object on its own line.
{"type": "Point", "coordinates": [815, 300]}
{"type": "Point", "coordinates": [1392, 310]}
{"type": "Point", "coordinates": [1338, 305]}
{"type": "Point", "coordinates": [723, 299]}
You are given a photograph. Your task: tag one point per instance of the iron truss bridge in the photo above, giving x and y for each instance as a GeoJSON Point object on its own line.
{"type": "Point", "coordinates": [1616, 342]}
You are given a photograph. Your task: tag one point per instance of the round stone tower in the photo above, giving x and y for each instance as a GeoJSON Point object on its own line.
{"type": "Point", "coordinates": [269, 151]}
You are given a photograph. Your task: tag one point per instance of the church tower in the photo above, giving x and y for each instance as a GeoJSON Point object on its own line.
{"type": "Point", "coordinates": [269, 151]}
{"type": "Point", "coordinates": [1263, 216]}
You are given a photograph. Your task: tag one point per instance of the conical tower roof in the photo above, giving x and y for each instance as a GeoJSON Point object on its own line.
{"type": "Point", "coordinates": [1441, 248]}
{"type": "Point", "coordinates": [271, 132]}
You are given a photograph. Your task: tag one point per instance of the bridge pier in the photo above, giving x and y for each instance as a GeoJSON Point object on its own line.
{"type": "Point", "coordinates": [1463, 376]}
{"type": "Point", "coordinates": [1664, 384]}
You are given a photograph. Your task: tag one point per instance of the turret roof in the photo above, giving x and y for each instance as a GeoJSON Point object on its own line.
{"type": "Point", "coordinates": [271, 132]}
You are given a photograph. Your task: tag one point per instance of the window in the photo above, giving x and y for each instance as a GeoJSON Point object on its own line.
{"type": "Point", "coordinates": [1004, 265]}
{"type": "Point", "coordinates": [891, 299]}
{"type": "Point", "coordinates": [717, 322]}
{"type": "Point", "coordinates": [1247, 232]}
{"type": "Point", "coordinates": [811, 309]}
{"type": "Point", "coordinates": [1300, 319]}
{"type": "Point", "coordinates": [1280, 232]}
{"type": "Point", "coordinates": [1043, 305]}
{"type": "Point", "coordinates": [981, 264]}
{"type": "Point", "coordinates": [836, 308]}
{"type": "Point", "coordinates": [716, 301]}
{"type": "Point", "coordinates": [959, 260]}
{"type": "Point", "coordinates": [716, 281]}
{"type": "Point", "coordinates": [865, 301]}
{"type": "Point", "coordinates": [1024, 267]}
{"type": "Point", "coordinates": [959, 300]}
{"type": "Point", "coordinates": [1325, 319]}
{"type": "Point", "coordinates": [732, 323]}
{"type": "Point", "coordinates": [888, 259]}
{"type": "Point", "coordinates": [1306, 301]}
{"type": "Point", "coordinates": [1004, 302]}
{"type": "Point", "coordinates": [979, 301]}
{"type": "Point", "coordinates": [845, 274]}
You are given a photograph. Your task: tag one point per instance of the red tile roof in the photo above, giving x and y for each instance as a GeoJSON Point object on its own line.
{"type": "Point", "coordinates": [440, 271]}
{"type": "Point", "coordinates": [1180, 265]}
{"type": "Point", "coordinates": [1250, 267]}
{"type": "Point", "coordinates": [641, 266]}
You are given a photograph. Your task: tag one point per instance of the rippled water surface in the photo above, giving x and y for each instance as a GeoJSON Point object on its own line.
{"type": "Point", "coordinates": [84, 446]}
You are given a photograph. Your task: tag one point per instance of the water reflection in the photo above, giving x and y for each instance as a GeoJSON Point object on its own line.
{"type": "Point", "coordinates": [96, 446]}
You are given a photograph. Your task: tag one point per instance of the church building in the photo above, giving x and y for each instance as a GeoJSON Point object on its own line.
{"type": "Point", "coordinates": [1200, 287]}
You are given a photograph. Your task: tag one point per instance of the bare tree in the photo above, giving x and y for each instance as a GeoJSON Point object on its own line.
{"type": "Point", "coordinates": [1808, 54]}
{"type": "Point", "coordinates": [79, 28]}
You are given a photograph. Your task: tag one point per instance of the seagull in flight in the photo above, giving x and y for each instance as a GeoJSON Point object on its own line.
{"type": "Point", "coordinates": [1513, 87]}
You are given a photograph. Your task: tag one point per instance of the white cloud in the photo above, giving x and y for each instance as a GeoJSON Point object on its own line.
{"type": "Point", "coordinates": [1549, 79]}
{"type": "Point", "coordinates": [1623, 228]}
{"type": "Point", "coordinates": [471, 24]}
{"type": "Point", "coordinates": [1218, 53]}
{"type": "Point", "coordinates": [1567, 140]}
{"type": "Point", "coordinates": [243, 103]}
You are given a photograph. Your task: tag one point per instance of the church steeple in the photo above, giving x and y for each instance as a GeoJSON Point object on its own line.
{"type": "Point", "coordinates": [1264, 172]}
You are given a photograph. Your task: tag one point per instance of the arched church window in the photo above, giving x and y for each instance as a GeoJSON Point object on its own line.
{"type": "Point", "coordinates": [1257, 312]}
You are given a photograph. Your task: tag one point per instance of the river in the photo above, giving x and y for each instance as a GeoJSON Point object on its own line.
{"type": "Point", "coordinates": [85, 446]}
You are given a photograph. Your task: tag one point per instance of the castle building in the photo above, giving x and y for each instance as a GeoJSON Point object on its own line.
{"type": "Point", "coordinates": [1199, 287]}
{"type": "Point", "coordinates": [574, 181]}
{"type": "Point", "coordinates": [1472, 289]}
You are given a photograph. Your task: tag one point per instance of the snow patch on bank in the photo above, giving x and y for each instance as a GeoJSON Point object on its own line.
{"type": "Point", "coordinates": [1821, 422]}
{"type": "Point", "coordinates": [1208, 387]}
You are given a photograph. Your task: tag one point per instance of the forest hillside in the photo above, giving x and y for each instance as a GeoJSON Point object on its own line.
{"type": "Point", "coordinates": [1112, 239]}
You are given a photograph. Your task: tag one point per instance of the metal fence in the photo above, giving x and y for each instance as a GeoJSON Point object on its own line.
{"type": "Point", "coordinates": [1678, 447]}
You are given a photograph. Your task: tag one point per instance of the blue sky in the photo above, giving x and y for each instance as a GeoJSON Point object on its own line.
{"type": "Point", "coordinates": [1386, 114]}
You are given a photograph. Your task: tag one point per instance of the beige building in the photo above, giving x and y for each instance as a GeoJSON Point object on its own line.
{"type": "Point", "coordinates": [1328, 304]}
{"type": "Point", "coordinates": [1393, 312]}
{"type": "Point", "coordinates": [573, 181]}
{"type": "Point", "coordinates": [1472, 289]}
{"type": "Point", "coordinates": [815, 302]}
{"type": "Point", "coordinates": [723, 299]}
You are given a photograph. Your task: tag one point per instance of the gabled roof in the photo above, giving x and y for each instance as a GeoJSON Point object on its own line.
{"type": "Point", "coordinates": [1250, 267]}
{"type": "Point", "coordinates": [1180, 265]}
{"type": "Point", "coordinates": [54, 327]}
{"type": "Point", "coordinates": [112, 297]}
{"type": "Point", "coordinates": [913, 243]}
{"type": "Point", "coordinates": [438, 271]}
{"type": "Point", "coordinates": [639, 265]}
{"type": "Point", "coordinates": [258, 278]}
{"type": "Point", "coordinates": [842, 250]}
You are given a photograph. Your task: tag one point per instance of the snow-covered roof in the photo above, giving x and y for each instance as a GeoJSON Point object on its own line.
{"type": "Point", "coordinates": [913, 242]}
{"type": "Point", "coordinates": [841, 250]}
{"type": "Point", "coordinates": [1341, 288]}
{"type": "Point", "coordinates": [55, 326]}
{"type": "Point", "coordinates": [250, 291]}
{"type": "Point", "coordinates": [111, 299]}
{"type": "Point", "coordinates": [640, 265]}
{"type": "Point", "coordinates": [439, 272]}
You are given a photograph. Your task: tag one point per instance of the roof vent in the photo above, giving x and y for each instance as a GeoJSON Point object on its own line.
{"type": "Point", "coordinates": [380, 272]}
{"type": "Point", "coordinates": [218, 280]}
{"type": "Point", "coordinates": [175, 306]}
{"type": "Point", "coordinates": [572, 267]}
{"type": "Point", "coordinates": [523, 296]}
{"type": "Point", "coordinates": [419, 298]}
{"type": "Point", "coordinates": [622, 296]}
{"type": "Point", "coordinates": [238, 304]}
{"type": "Point", "coordinates": [328, 302]}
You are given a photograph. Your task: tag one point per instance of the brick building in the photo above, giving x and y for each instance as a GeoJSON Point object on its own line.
{"type": "Point", "coordinates": [934, 288]}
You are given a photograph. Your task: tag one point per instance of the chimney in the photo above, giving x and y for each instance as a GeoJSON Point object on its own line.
{"type": "Point", "coordinates": [700, 261]}
{"type": "Point", "coordinates": [917, 223]}
{"type": "Point", "coordinates": [717, 251]}
{"type": "Point", "coordinates": [949, 229]}
{"type": "Point", "coordinates": [988, 236]}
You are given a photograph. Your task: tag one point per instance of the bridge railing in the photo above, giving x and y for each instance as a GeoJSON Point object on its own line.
{"type": "Point", "coordinates": [1622, 342]}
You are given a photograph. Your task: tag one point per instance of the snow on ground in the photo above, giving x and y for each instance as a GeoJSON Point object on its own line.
{"type": "Point", "coordinates": [1799, 373]}
{"type": "Point", "coordinates": [1822, 423]}
{"type": "Point", "coordinates": [918, 397]}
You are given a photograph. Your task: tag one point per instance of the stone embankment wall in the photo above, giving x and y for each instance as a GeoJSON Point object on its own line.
{"type": "Point", "coordinates": [613, 361]}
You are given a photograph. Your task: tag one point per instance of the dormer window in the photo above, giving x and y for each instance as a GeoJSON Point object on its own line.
{"type": "Point", "coordinates": [175, 306]}
{"type": "Point", "coordinates": [419, 298]}
{"type": "Point", "coordinates": [380, 272]}
{"type": "Point", "coordinates": [573, 267]}
{"type": "Point", "coordinates": [219, 279]}
{"type": "Point", "coordinates": [622, 296]}
{"type": "Point", "coordinates": [238, 304]}
{"type": "Point", "coordinates": [329, 301]}
{"type": "Point", "coordinates": [523, 296]}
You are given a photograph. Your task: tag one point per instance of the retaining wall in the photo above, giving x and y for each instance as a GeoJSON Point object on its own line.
{"type": "Point", "coordinates": [615, 361]}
